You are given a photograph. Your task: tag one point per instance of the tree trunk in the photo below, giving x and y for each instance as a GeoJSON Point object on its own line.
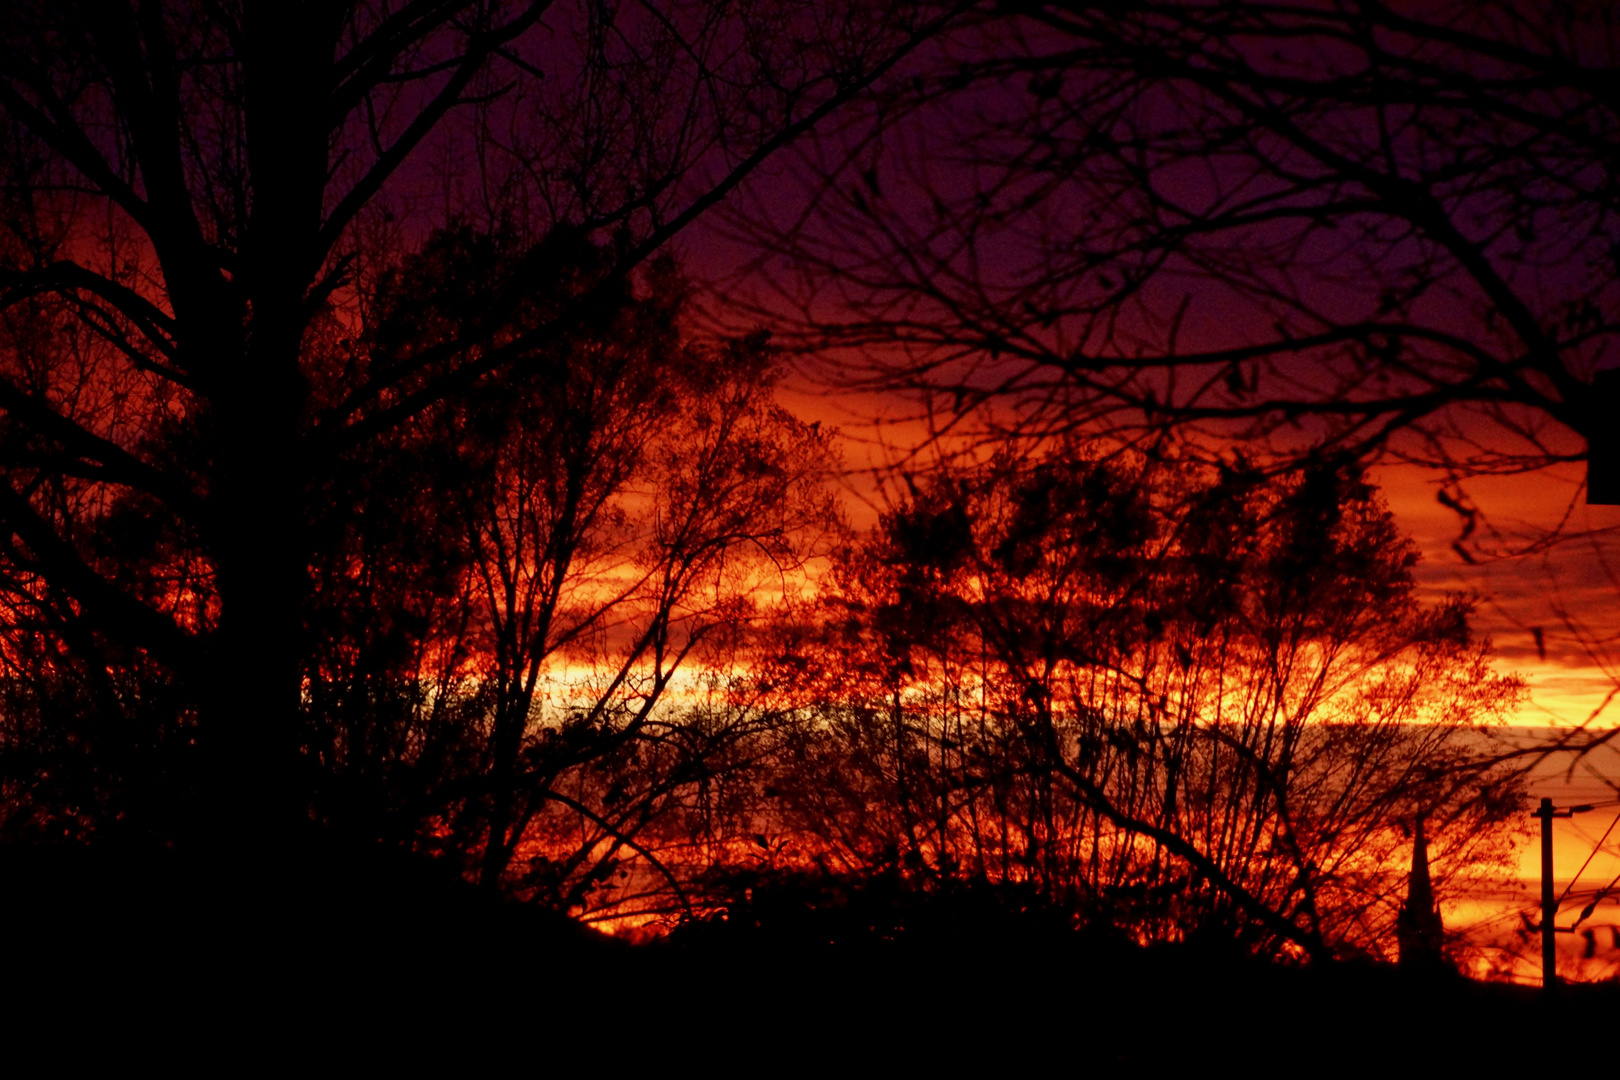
{"type": "Point", "coordinates": [257, 393]}
{"type": "Point", "coordinates": [511, 720]}
{"type": "Point", "coordinates": [250, 721]}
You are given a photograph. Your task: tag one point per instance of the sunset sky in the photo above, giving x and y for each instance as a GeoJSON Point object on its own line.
{"type": "Point", "coordinates": [697, 468]}
{"type": "Point", "coordinates": [1569, 593]}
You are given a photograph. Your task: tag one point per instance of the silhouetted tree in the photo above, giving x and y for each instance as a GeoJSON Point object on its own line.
{"type": "Point", "coordinates": [1182, 703]}
{"type": "Point", "coordinates": [200, 202]}
{"type": "Point", "coordinates": [516, 580]}
{"type": "Point", "coordinates": [1357, 229]}
{"type": "Point", "coordinates": [1356, 225]}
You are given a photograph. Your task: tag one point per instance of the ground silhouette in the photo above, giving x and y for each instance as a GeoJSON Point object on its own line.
{"type": "Point", "coordinates": [362, 948]}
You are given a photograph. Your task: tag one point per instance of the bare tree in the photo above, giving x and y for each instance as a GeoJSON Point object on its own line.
{"type": "Point", "coordinates": [1181, 704]}
{"type": "Point", "coordinates": [199, 198]}
{"type": "Point", "coordinates": [509, 621]}
{"type": "Point", "coordinates": [1350, 226]}
{"type": "Point", "coordinates": [1352, 229]}
{"type": "Point", "coordinates": [635, 514]}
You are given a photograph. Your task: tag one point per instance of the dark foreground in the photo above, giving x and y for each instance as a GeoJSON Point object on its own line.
{"type": "Point", "coordinates": [372, 958]}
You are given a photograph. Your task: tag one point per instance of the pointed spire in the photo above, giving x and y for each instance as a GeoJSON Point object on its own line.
{"type": "Point", "coordinates": [1419, 933]}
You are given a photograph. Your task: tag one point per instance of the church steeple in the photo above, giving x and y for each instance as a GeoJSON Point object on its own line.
{"type": "Point", "coordinates": [1419, 934]}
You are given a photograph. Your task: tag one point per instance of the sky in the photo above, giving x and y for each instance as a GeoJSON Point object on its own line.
{"type": "Point", "coordinates": [1570, 594]}
{"type": "Point", "coordinates": [1567, 593]}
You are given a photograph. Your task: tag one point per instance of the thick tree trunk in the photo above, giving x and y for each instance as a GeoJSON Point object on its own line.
{"type": "Point", "coordinates": [251, 716]}
{"type": "Point", "coordinates": [251, 719]}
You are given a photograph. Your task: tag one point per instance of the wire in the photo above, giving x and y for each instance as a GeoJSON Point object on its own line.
{"type": "Point", "coordinates": [1585, 807]}
{"type": "Point", "coordinates": [1589, 858]}
{"type": "Point", "coordinates": [1589, 908]}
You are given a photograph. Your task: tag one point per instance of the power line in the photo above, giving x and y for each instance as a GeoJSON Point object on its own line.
{"type": "Point", "coordinates": [1589, 858]}
{"type": "Point", "coordinates": [1596, 900]}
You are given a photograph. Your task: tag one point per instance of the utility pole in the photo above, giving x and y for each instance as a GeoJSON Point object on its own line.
{"type": "Point", "coordinates": [1549, 902]}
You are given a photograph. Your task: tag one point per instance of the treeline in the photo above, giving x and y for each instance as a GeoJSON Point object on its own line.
{"type": "Point", "coordinates": [596, 636]}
